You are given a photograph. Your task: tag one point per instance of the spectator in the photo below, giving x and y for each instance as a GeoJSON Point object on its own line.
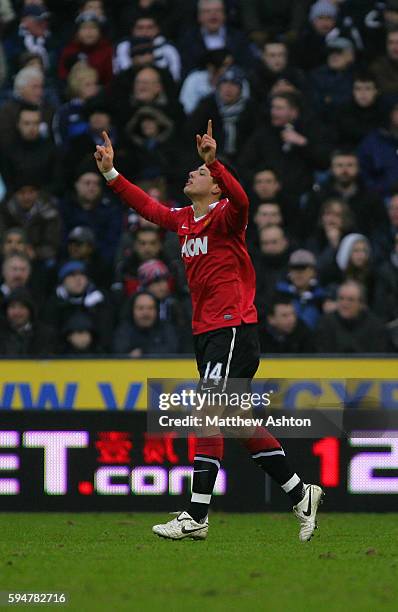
{"type": "Point", "coordinates": [212, 32]}
{"type": "Point", "coordinates": [37, 213]}
{"type": "Point", "coordinates": [334, 222]}
{"type": "Point", "coordinates": [77, 294]}
{"type": "Point", "coordinates": [147, 245]}
{"type": "Point", "coordinates": [151, 150]}
{"type": "Point", "coordinates": [234, 117]}
{"type": "Point", "coordinates": [385, 69]}
{"type": "Point", "coordinates": [155, 278]}
{"type": "Point", "coordinates": [142, 333]}
{"type": "Point", "coordinates": [33, 35]}
{"type": "Point", "coordinates": [91, 44]}
{"type": "Point", "coordinates": [303, 287]}
{"type": "Point", "coordinates": [354, 260]}
{"type": "Point", "coordinates": [202, 82]}
{"type": "Point", "coordinates": [146, 86]}
{"type": "Point", "coordinates": [69, 119]}
{"type": "Point", "coordinates": [82, 246]}
{"type": "Point", "coordinates": [96, 114]}
{"type": "Point", "coordinates": [272, 67]}
{"type": "Point", "coordinates": [16, 271]}
{"type": "Point", "coordinates": [352, 328]}
{"type": "Point", "coordinates": [267, 214]}
{"type": "Point", "coordinates": [267, 186]}
{"type": "Point", "coordinates": [146, 38]}
{"type": "Point", "coordinates": [266, 18]}
{"type": "Point", "coordinates": [28, 92]}
{"type": "Point", "coordinates": [310, 48]}
{"type": "Point", "coordinates": [270, 262]}
{"type": "Point", "coordinates": [79, 337]}
{"type": "Point", "coordinates": [294, 145]}
{"type": "Point", "coordinates": [90, 207]}
{"type": "Point", "coordinates": [378, 154]}
{"type": "Point", "coordinates": [21, 334]}
{"type": "Point", "coordinates": [345, 183]}
{"type": "Point", "coordinates": [282, 331]}
{"type": "Point", "coordinates": [383, 238]}
{"type": "Point", "coordinates": [362, 114]}
{"type": "Point", "coordinates": [386, 293]}
{"type": "Point", "coordinates": [332, 82]}
{"type": "Point", "coordinates": [29, 153]}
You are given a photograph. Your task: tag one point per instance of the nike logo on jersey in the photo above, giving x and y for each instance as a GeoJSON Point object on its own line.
{"type": "Point", "coordinates": [195, 246]}
{"type": "Point", "coordinates": [308, 511]}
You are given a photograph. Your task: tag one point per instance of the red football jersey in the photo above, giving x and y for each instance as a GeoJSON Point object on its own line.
{"type": "Point", "coordinates": [219, 270]}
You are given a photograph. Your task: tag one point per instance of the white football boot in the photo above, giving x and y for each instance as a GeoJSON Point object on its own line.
{"type": "Point", "coordinates": [182, 526]}
{"type": "Point", "coordinates": [306, 511]}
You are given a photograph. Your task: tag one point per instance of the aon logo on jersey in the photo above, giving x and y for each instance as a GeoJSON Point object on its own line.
{"type": "Point", "coordinates": [194, 246]}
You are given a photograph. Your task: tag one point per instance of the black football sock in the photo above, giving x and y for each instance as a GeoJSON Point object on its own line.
{"type": "Point", "coordinates": [205, 470]}
{"type": "Point", "coordinates": [274, 462]}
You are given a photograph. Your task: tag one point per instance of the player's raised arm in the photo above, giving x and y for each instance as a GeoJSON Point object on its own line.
{"type": "Point", "coordinates": [237, 212]}
{"type": "Point", "coordinates": [132, 195]}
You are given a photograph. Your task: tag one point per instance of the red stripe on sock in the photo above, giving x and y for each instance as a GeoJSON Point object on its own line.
{"type": "Point", "coordinates": [210, 447]}
{"type": "Point", "coordinates": [262, 440]}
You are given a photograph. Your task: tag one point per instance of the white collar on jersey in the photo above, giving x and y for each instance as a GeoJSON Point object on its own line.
{"type": "Point", "coordinates": [211, 206]}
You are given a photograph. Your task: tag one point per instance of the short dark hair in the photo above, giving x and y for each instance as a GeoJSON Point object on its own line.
{"type": "Point", "coordinates": [33, 108]}
{"type": "Point", "coordinates": [279, 299]}
{"type": "Point", "coordinates": [365, 76]}
{"type": "Point", "coordinates": [343, 152]}
{"type": "Point", "coordinates": [293, 99]}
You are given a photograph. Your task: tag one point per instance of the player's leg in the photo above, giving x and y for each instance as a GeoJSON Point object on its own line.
{"type": "Point", "coordinates": [267, 451]}
{"type": "Point", "coordinates": [213, 354]}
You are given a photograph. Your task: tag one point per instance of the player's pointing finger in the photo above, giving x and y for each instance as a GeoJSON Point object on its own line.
{"type": "Point", "coordinates": [106, 139]}
{"type": "Point", "coordinates": [210, 128]}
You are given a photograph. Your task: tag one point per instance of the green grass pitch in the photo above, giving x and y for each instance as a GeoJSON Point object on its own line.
{"type": "Point", "coordinates": [112, 562]}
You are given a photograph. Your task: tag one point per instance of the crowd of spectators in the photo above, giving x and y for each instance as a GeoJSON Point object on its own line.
{"type": "Point", "coordinates": [303, 95]}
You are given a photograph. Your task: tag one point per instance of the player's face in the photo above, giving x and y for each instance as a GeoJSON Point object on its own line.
{"type": "Point", "coordinates": [200, 183]}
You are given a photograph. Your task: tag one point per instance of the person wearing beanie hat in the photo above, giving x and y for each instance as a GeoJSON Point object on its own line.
{"type": "Point", "coordinates": [20, 333]}
{"type": "Point", "coordinates": [309, 51]}
{"type": "Point", "coordinates": [89, 42]}
{"type": "Point", "coordinates": [354, 260]}
{"type": "Point", "coordinates": [323, 8]}
{"type": "Point", "coordinates": [77, 294]}
{"type": "Point", "coordinates": [232, 114]}
{"type": "Point", "coordinates": [79, 336]}
{"type": "Point", "coordinates": [303, 288]}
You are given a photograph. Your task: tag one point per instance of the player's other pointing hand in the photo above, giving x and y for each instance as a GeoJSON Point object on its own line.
{"type": "Point", "coordinates": [104, 154]}
{"type": "Point", "coordinates": [207, 146]}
